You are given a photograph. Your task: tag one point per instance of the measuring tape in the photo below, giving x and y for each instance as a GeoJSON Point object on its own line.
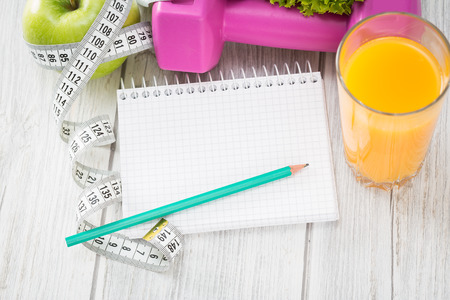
{"type": "Point", "coordinates": [104, 41]}
{"type": "Point", "coordinates": [130, 40]}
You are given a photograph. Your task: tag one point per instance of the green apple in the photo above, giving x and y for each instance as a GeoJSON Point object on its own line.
{"type": "Point", "coordinates": [50, 22]}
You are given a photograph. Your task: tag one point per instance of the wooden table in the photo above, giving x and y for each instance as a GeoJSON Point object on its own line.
{"type": "Point", "coordinates": [385, 245]}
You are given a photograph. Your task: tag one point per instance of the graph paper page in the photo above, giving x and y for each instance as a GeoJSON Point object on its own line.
{"type": "Point", "coordinates": [176, 146]}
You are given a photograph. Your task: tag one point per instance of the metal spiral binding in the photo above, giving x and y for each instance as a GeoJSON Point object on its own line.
{"type": "Point", "coordinates": [212, 86]}
{"type": "Point", "coordinates": [298, 77]}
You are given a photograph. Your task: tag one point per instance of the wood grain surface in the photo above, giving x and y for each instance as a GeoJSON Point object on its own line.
{"type": "Point", "coordinates": [385, 245]}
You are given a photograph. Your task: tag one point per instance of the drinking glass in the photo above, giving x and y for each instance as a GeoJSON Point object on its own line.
{"type": "Point", "coordinates": [382, 148]}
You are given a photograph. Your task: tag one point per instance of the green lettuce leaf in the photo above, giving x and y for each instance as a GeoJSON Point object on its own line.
{"type": "Point", "coordinates": [309, 7]}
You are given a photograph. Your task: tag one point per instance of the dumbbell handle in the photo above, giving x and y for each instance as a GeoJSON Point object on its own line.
{"type": "Point", "coordinates": [361, 10]}
{"type": "Point", "coordinates": [255, 22]}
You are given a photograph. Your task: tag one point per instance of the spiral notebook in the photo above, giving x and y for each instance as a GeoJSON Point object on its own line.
{"type": "Point", "coordinates": [181, 140]}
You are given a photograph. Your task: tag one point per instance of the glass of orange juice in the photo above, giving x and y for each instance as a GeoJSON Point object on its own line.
{"type": "Point", "coordinates": [393, 73]}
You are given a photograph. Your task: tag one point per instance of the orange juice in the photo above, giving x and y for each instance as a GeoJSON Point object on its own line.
{"type": "Point", "coordinates": [392, 77]}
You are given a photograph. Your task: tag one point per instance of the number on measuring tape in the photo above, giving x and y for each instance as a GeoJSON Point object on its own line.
{"type": "Point", "coordinates": [95, 132]}
{"type": "Point", "coordinates": [168, 239]}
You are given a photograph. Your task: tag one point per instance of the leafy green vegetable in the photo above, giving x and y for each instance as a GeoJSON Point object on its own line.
{"type": "Point", "coordinates": [309, 7]}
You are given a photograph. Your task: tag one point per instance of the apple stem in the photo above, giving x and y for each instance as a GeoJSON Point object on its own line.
{"type": "Point", "coordinates": [74, 4]}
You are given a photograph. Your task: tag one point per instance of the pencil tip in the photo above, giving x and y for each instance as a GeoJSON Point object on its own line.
{"type": "Point", "coordinates": [296, 168]}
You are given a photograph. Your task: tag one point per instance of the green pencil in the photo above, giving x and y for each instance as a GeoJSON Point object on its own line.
{"type": "Point", "coordinates": [182, 204]}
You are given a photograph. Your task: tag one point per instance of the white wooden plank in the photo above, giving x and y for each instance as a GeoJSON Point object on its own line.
{"type": "Point", "coordinates": [37, 209]}
{"type": "Point", "coordinates": [421, 221]}
{"type": "Point", "coordinates": [349, 259]}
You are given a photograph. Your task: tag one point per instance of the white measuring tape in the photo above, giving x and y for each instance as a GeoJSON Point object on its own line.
{"type": "Point", "coordinates": [132, 39]}
{"type": "Point", "coordinates": [104, 41]}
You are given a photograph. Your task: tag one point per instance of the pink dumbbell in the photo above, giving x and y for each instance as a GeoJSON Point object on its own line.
{"type": "Point", "coordinates": [189, 34]}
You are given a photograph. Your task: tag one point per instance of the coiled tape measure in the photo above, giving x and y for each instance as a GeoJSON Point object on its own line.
{"type": "Point", "coordinates": [104, 41]}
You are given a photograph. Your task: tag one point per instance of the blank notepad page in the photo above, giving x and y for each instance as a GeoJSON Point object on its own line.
{"type": "Point", "coordinates": [174, 146]}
